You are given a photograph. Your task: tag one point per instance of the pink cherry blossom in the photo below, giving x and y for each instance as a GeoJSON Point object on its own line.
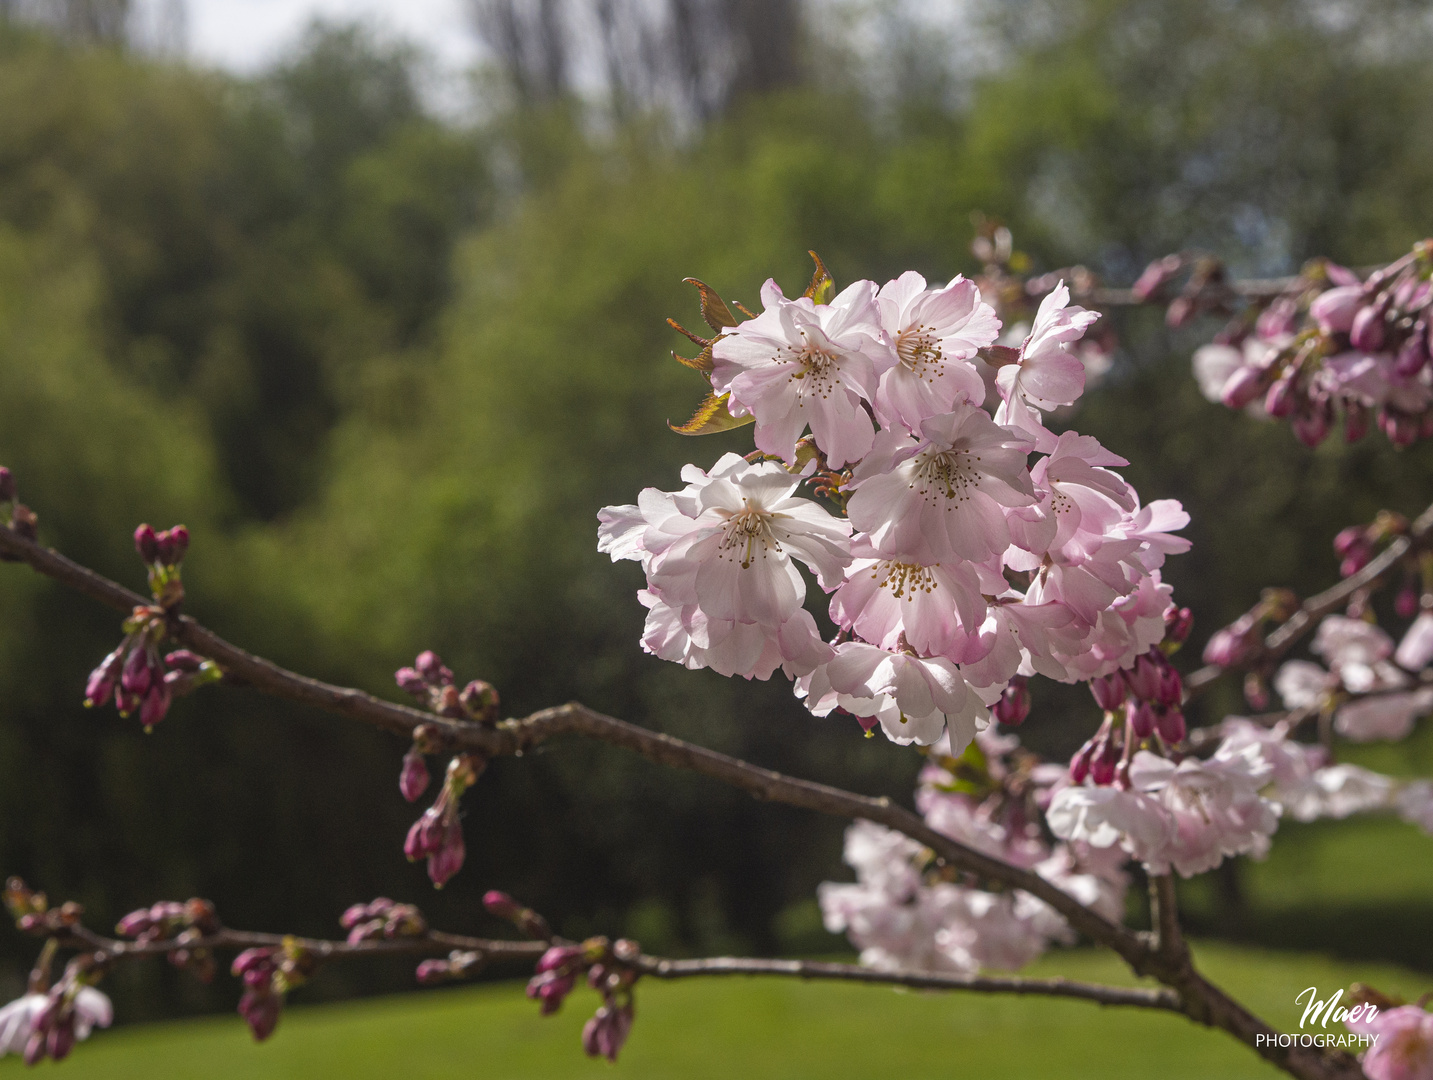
{"type": "Point", "coordinates": [1383, 716]}
{"type": "Point", "coordinates": [932, 608]}
{"type": "Point", "coordinates": [1047, 374]}
{"type": "Point", "coordinates": [915, 699]}
{"type": "Point", "coordinates": [1334, 309]}
{"type": "Point", "coordinates": [1105, 816]}
{"type": "Point", "coordinates": [1404, 1047]}
{"type": "Point", "coordinates": [935, 333]}
{"type": "Point", "coordinates": [800, 363]}
{"type": "Point", "coordinates": [1414, 802]}
{"type": "Point", "coordinates": [941, 499]}
{"type": "Point", "coordinates": [92, 1009]}
{"type": "Point", "coordinates": [1416, 648]}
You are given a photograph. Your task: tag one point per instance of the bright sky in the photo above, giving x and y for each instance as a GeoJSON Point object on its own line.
{"type": "Point", "coordinates": [242, 35]}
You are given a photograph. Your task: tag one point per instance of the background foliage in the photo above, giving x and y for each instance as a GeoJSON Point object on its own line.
{"type": "Point", "coordinates": [387, 365]}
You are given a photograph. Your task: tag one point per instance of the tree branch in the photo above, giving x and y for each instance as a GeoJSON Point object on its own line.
{"type": "Point", "coordinates": [1287, 635]}
{"type": "Point", "coordinates": [1200, 999]}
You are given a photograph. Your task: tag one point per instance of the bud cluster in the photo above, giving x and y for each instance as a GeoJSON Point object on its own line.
{"type": "Point", "coordinates": [529, 922]}
{"type": "Point", "coordinates": [268, 973]}
{"type": "Point", "coordinates": [33, 914]}
{"type": "Point", "coordinates": [1357, 545]}
{"type": "Point", "coordinates": [184, 924]}
{"type": "Point", "coordinates": [1142, 706]}
{"type": "Point", "coordinates": [136, 675]}
{"type": "Point", "coordinates": [431, 682]}
{"type": "Point", "coordinates": [609, 970]}
{"type": "Point", "coordinates": [1333, 344]}
{"type": "Point", "coordinates": [460, 964]}
{"type": "Point", "coordinates": [70, 1010]}
{"type": "Point", "coordinates": [438, 835]}
{"type": "Point", "coordinates": [382, 918]}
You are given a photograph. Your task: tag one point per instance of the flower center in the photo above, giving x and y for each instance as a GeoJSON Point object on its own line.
{"type": "Point", "coordinates": [744, 533]}
{"type": "Point", "coordinates": [920, 353]}
{"type": "Point", "coordinates": [948, 474]}
{"type": "Point", "coordinates": [904, 579]}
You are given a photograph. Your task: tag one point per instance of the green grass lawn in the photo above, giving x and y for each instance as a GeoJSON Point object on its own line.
{"type": "Point", "coordinates": [739, 1028]}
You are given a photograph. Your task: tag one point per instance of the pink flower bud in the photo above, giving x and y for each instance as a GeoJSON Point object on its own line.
{"type": "Point", "coordinates": [447, 860]}
{"type": "Point", "coordinates": [431, 971]}
{"type": "Point", "coordinates": [1014, 704]}
{"type": "Point", "coordinates": [8, 490]}
{"type": "Point", "coordinates": [1244, 386]}
{"type": "Point", "coordinates": [1406, 602]}
{"type": "Point", "coordinates": [1109, 690]}
{"type": "Point", "coordinates": [501, 904]}
{"type": "Point", "coordinates": [413, 776]}
{"type": "Point", "coordinates": [1104, 762]}
{"type": "Point", "coordinates": [558, 957]}
{"type": "Point", "coordinates": [146, 543]}
{"type": "Point", "coordinates": [480, 700]}
{"type": "Point", "coordinates": [1311, 423]}
{"type": "Point", "coordinates": [410, 682]}
{"type": "Point", "coordinates": [134, 924]}
{"type": "Point", "coordinates": [1177, 624]}
{"type": "Point", "coordinates": [1170, 725]}
{"type": "Point", "coordinates": [1277, 319]}
{"type": "Point", "coordinates": [156, 705]}
{"type": "Point", "coordinates": [1171, 686]}
{"type": "Point", "coordinates": [1155, 276]}
{"type": "Point", "coordinates": [1256, 691]}
{"type": "Point", "coordinates": [1282, 398]}
{"type": "Point", "coordinates": [1413, 353]}
{"type": "Point", "coordinates": [551, 989]}
{"type": "Point", "coordinates": [260, 1010]}
{"type": "Point", "coordinates": [1401, 428]}
{"type": "Point", "coordinates": [1140, 717]}
{"type": "Point", "coordinates": [431, 668]}
{"type": "Point", "coordinates": [606, 1032]}
{"type": "Point", "coordinates": [1334, 309]}
{"type": "Point", "coordinates": [1233, 644]}
{"type": "Point", "coordinates": [353, 915]}
{"type": "Point", "coordinates": [61, 1039]}
{"type": "Point", "coordinates": [184, 660]}
{"type": "Point", "coordinates": [172, 544]}
{"type": "Point", "coordinates": [1180, 311]}
{"type": "Point", "coordinates": [103, 678]}
{"type": "Point", "coordinates": [136, 675]}
{"type": "Point", "coordinates": [1347, 539]}
{"type": "Point", "coordinates": [1366, 333]}
{"type": "Point", "coordinates": [1080, 763]}
{"type": "Point", "coordinates": [1143, 678]}
{"type": "Point", "coordinates": [257, 959]}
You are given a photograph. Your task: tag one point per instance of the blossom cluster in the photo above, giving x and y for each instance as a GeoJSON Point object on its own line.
{"type": "Point", "coordinates": [954, 561]}
{"type": "Point", "coordinates": [905, 912]}
{"type": "Point", "coordinates": [1335, 345]}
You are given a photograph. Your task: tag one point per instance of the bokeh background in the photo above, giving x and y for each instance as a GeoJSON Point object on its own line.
{"type": "Point", "coordinates": [386, 340]}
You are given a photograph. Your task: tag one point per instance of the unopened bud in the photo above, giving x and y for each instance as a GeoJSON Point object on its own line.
{"type": "Point", "coordinates": [480, 700]}
{"type": "Point", "coordinates": [24, 522]}
{"type": "Point", "coordinates": [146, 543]}
{"type": "Point", "coordinates": [1140, 717]}
{"type": "Point", "coordinates": [448, 859]}
{"type": "Point", "coordinates": [413, 776]}
{"type": "Point", "coordinates": [1401, 428]}
{"type": "Point", "coordinates": [1080, 762]}
{"type": "Point", "coordinates": [134, 924]}
{"type": "Point", "coordinates": [1109, 690]}
{"type": "Point", "coordinates": [1334, 309]}
{"type": "Point", "coordinates": [1356, 421]}
{"type": "Point", "coordinates": [1143, 678]}
{"type": "Point", "coordinates": [1155, 276]}
{"type": "Point", "coordinates": [136, 675]}
{"type": "Point", "coordinates": [1406, 602]}
{"type": "Point", "coordinates": [8, 489]}
{"type": "Point", "coordinates": [172, 544]}
{"type": "Point", "coordinates": [1282, 397]}
{"type": "Point", "coordinates": [432, 669]}
{"type": "Point", "coordinates": [1013, 705]}
{"type": "Point", "coordinates": [1256, 691]}
{"type": "Point", "coordinates": [184, 660]}
{"type": "Point", "coordinates": [1106, 758]}
{"type": "Point", "coordinates": [411, 682]}
{"type": "Point", "coordinates": [1170, 725]}
{"type": "Point", "coordinates": [1177, 624]}
{"type": "Point", "coordinates": [1366, 333]}
{"type": "Point", "coordinates": [156, 705]}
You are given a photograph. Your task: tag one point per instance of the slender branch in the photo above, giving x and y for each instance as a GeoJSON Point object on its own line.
{"type": "Point", "coordinates": [920, 980]}
{"type": "Point", "coordinates": [1288, 634]}
{"type": "Point", "coordinates": [1200, 999]}
{"type": "Point", "coordinates": [1164, 909]}
{"type": "Point", "coordinates": [657, 967]}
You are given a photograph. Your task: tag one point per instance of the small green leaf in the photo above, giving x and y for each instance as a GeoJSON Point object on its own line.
{"type": "Point", "coordinates": [714, 309]}
{"type": "Point", "coordinates": [821, 286]}
{"type": "Point", "coordinates": [711, 416]}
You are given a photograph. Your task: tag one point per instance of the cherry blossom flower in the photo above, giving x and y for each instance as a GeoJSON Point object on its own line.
{"type": "Point", "coordinates": [1047, 373]}
{"type": "Point", "coordinates": [940, 499]}
{"type": "Point", "coordinates": [934, 609]}
{"type": "Point", "coordinates": [72, 1021]}
{"type": "Point", "coordinates": [722, 588]}
{"type": "Point", "coordinates": [915, 699]}
{"type": "Point", "coordinates": [1105, 816]}
{"type": "Point", "coordinates": [1414, 802]}
{"type": "Point", "coordinates": [1403, 1048]}
{"type": "Point", "coordinates": [800, 363]}
{"type": "Point", "coordinates": [1383, 716]}
{"type": "Point", "coordinates": [935, 333]}
{"type": "Point", "coordinates": [1416, 648]}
